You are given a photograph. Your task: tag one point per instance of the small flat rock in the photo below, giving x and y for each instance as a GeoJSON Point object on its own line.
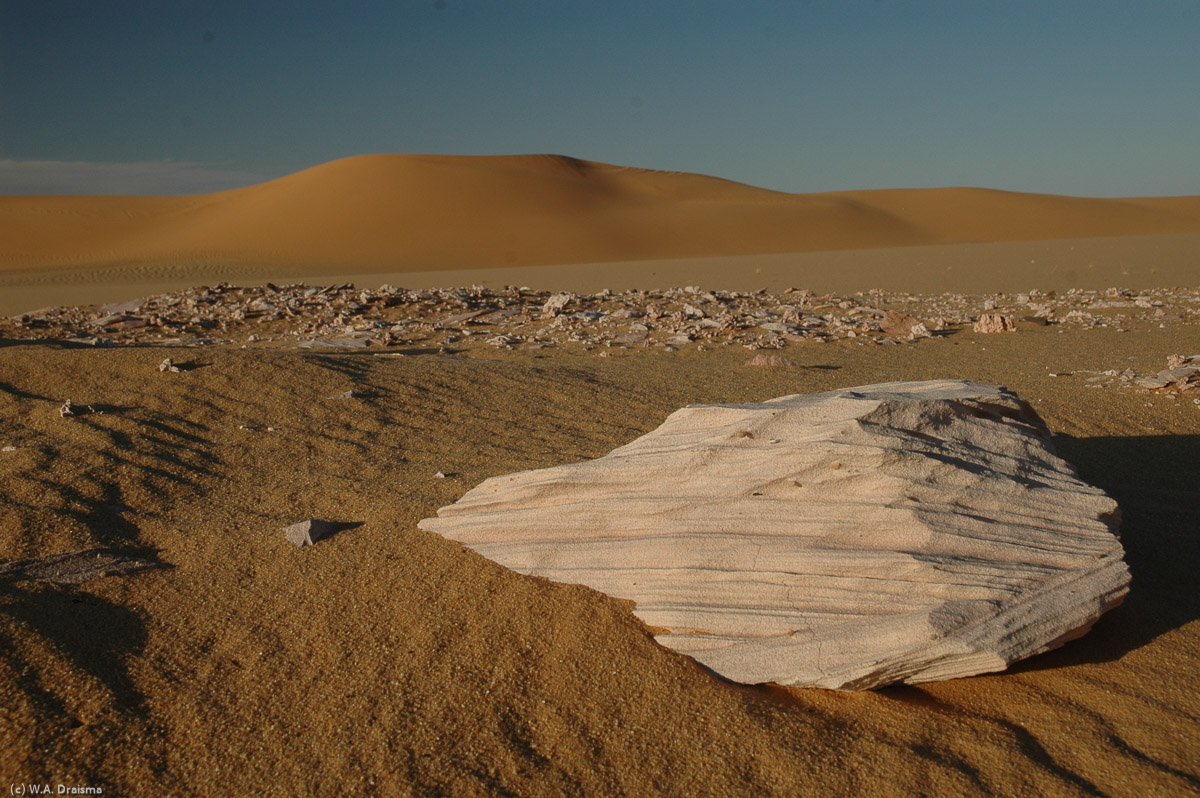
{"type": "Point", "coordinates": [168, 365]}
{"type": "Point", "coordinates": [189, 342]}
{"type": "Point", "coordinates": [1183, 372]}
{"type": "Point", "coordinates": [335, 343]}
{"type": "Point", "coordinates": [901, 532]}
{"type": "Point", "coordinates": [307, 533]}
{"type": "Point", "coordinates": [132, 306]}
{"type": "Point", "coordinates": [778, 361]}
{"type": "Point", "coordinates": [896, 323]}
{"type": "Point", "coordinates": [459, 318]}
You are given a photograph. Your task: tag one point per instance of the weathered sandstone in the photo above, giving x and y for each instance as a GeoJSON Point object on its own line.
{"type": "Point", "coordinates": [995, 323]}
{"type": "Point", "coordinates": [901, 532]}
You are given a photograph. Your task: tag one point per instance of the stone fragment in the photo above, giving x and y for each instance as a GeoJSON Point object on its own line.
{"type": "Point", "coordinates": [336, 343]}
{"type": "Point", "coordinates": [459, 318]}
{"type": "Point", "coordinates": [555, 304]}
{"type": "Point", "coordinates": [895, 323]}
{"type": "Point", "coordinates": [169, 366]}
{"type": "Point", "coordinates": [70, 409]}
{"type": "Point", "coordinates": [132, 306]}
{"type": "Point", "coordinates": [919, 331]}
{"type": "Point", "coordinates": [1183, 372]}
{"type": "Point", "coordinates": [627, 313]}
{"type": "Point", "coordinates": [994, 323]}
{"type": "Point", "coordinates": [902, 532]}
{"type": "Point", "coordinates": [770, 360]}
{"type": "Point", "coordinates": [307, 533]}
{"type": "Point", "coordinates": [1179, 361]}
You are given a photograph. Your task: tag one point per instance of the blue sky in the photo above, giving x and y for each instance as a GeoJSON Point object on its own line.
{"type": "Point", "coordinates": [1094, 98]}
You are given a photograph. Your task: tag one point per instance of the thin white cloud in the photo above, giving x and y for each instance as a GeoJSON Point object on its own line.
{"type": "Point", "coordinates": [138, 177]}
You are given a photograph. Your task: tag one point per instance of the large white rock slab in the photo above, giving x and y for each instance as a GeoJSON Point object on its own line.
{"type": "Point", "coordinates": [901, 532]}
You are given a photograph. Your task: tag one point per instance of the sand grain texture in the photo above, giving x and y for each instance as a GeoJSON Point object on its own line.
{"type": "Point", "coordinates": [389, 660]}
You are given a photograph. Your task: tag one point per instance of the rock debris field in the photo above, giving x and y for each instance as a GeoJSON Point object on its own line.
{"type": "Point", "coordinates": [463, 320]}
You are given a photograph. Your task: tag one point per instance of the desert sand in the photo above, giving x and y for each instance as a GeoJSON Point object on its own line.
{"type": "Point", "coordinates": [558, 222]}
{"type": "Point", "coordinates": [388, 660]}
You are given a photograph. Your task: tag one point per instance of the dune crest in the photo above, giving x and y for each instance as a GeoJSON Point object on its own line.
{"type": "Point", "coordinates": [431, 212]}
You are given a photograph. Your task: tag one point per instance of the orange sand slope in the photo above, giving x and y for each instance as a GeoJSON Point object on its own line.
{"type": "Point", "coordinates": [427, 213]}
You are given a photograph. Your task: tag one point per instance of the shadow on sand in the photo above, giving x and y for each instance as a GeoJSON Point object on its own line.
{"type": "Point", "coordinates": [1155, 480]}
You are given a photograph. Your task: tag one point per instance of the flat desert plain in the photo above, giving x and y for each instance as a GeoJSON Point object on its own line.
{"type": "Point", "coordinates": [540, 310]}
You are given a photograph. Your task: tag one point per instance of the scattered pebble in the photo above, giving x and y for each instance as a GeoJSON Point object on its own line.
{"type": "Point", "coordinates": [307, 533]}
{"type": "Point", "coordinates": [770, 360]}
{"type": "Point", "coordinates": [1182, 376]}
{"type": "Point", "coordinates": [168, 365]}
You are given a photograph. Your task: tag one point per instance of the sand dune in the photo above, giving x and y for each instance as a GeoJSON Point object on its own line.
{"type": "Point", "coordinates": [402, 213]}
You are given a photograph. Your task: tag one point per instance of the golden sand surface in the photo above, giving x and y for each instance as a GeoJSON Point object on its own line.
{"type": "Point", "coordinates": [386, 660]}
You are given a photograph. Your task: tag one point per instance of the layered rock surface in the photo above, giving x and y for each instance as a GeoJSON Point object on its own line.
{"type": "Point", "coordinates": [901, 532]}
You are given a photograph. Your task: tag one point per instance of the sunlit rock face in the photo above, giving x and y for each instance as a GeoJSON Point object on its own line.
{"type": "Point", "coordinates": [900, 532]}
